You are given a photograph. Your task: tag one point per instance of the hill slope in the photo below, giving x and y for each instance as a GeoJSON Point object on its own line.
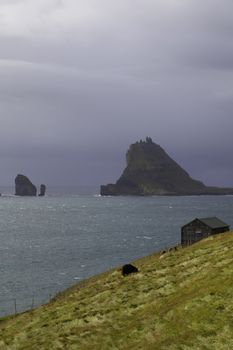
{"type": "Point", "coordinates": [179, 300]}
{"type": "Point", "coordinates": [151, 171]}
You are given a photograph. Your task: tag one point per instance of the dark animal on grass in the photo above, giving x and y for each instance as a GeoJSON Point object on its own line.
{"type": "Point", "coordinates": [173, 249]}
{"type": "Point", "coordinates": [128, 269]}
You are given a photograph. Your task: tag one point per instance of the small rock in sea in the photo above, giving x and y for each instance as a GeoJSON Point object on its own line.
{"type": "Point", "coordinates": [128, 268]}
{"type": "Point", "coordinates": [42, 190]}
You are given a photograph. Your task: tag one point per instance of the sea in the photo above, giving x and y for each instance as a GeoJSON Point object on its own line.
{"type": "Point", "coordinates": [50, 243]}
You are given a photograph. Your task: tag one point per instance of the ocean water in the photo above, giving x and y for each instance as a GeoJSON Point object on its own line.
{"type": "Point", "coordinates": [50, 243]}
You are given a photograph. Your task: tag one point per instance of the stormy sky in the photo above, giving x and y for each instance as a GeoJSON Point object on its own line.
{"type": "Point", "coordinates": [82, 79]}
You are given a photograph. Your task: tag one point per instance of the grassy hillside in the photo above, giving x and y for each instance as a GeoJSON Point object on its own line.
{"type": "Point", "coordinates": [179, 300]}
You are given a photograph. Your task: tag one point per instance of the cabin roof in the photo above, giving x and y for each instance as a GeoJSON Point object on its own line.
{"type": "Point", "coordinates": [213, 222]}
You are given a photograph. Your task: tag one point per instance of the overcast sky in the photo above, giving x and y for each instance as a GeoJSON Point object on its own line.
{"type": "Point", "coordinates": [82, 79]}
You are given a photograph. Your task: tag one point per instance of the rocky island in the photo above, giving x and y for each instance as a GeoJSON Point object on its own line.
{"type": "Point", "coordinates": [151, 171]}
{"type": "Point", "coordinates": [24, 187]}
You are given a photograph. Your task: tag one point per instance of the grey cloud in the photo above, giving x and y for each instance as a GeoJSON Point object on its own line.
{"type": "Point", "coordinates": [82, 80]}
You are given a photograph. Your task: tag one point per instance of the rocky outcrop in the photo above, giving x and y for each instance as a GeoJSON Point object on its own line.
{"type": "Point", "coordinates": [42, 190]}
{"type": "Point", "coordinates": [151, 171]}
{"type": "Point", "coordinates": [24, 187]}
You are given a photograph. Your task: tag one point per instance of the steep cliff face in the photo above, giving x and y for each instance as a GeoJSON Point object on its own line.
{"type": "Point", "coordinates": [151, 171]}
{"type": "Point", "coordinates": [24, 187]}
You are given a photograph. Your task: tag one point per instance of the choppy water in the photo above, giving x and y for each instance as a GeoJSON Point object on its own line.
{"type": "Point", "coordinates": [50, 243]}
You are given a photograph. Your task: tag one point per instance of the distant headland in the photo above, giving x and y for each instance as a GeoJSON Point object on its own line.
{"type": "Point", "coordinates": [151, 171]}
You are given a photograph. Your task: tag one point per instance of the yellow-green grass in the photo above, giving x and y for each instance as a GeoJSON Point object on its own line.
{"type": "Point", "coordinates": [179, 300]}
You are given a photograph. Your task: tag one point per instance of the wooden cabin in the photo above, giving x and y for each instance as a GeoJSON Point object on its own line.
{"type": "Point", "coordinates": [201, 228]}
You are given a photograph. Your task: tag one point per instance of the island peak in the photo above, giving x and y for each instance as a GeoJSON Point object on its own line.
{"type": "Point", "coordinates": [151, 171]}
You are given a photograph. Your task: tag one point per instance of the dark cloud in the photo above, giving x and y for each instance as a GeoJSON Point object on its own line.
{"type": "Point", "coordinates": [80, 81]}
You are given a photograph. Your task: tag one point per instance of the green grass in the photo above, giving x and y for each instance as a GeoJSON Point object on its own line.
{"type": "Point", "coordinates": [178, 301]}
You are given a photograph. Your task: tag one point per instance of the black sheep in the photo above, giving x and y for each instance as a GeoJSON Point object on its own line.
{"type": "Point", "coordinates": [128, 268]}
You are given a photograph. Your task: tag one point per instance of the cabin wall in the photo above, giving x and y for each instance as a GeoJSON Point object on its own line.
{"type": "Point", "coordinates": [220, 230]}
{"type": "Point", "coordinates": [194, 232]}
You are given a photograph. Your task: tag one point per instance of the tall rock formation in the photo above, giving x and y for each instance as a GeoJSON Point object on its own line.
{"type": "Point", "coordinates": [42, 190]}
{"type": "Point", "coordinates": [151, 171]}
{"type": "Point", "coordinates": [24, 187]}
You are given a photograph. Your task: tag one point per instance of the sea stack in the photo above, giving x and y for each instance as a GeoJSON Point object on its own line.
{"type": "Point", "coordinates": [151, 171]}
{"type": "Point", "coordinates": [42, 190]}
{"type": "Point", "coordinates": [24, 187]}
